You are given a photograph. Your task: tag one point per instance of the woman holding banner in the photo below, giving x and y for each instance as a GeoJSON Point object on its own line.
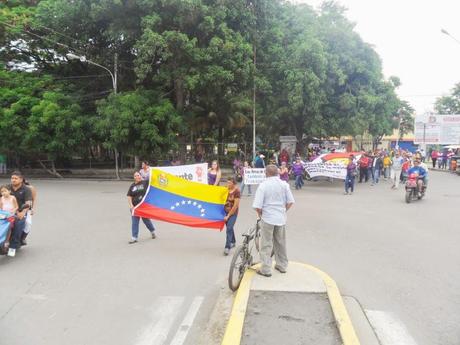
{"type": "Point", "coordinates": [135, 195]}
{"type": "Point", "coordinates": [231, 208]}
{"type": "Point", "coordinates": [214, 174]}
{"type": "Point", "coordinates": [245, 166]}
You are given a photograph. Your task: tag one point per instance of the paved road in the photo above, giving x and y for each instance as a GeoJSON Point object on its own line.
{"type": "Point", "coordinates": [79, 282]}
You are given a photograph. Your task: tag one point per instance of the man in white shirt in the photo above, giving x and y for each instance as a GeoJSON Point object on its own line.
{"type": "Point", "coordinates": [396, 167]}
{"type": "Point", "coordinates": [271, 202]}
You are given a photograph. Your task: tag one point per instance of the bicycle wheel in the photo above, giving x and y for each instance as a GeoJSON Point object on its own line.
{"type": "Point", "coordinates": [237, 268]}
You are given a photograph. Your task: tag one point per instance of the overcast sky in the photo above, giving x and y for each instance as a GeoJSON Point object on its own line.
{"type": "Point", "coordinates": [407, 36]}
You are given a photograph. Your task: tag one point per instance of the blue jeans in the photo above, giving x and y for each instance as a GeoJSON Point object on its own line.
{"type": "Point", "coordinates": [298, 182]}
{"type": "Point", "coordinates": [16, 234]}
{"type": "Point", "coordinates": [349, 183]}
{"type": "Point", "coordinates": [242, 188]}
{"type": "Point", "coordinates": [135, 226]}
{"type": "Point", "coordinates": [230, 232]}
{"type": "Point", "coordinates": [376, 175]}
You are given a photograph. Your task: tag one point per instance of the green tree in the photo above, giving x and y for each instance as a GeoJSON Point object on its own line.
{"type": "Point", "coordinates": [138, 122]}
{"type": "Point", "coordinates": [449, 104]}
{"type": "Point", "coordinates": [406, 118]}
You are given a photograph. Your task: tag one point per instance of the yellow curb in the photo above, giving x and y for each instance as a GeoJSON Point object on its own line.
{"type": "Point", "coordinates": [235, 324]}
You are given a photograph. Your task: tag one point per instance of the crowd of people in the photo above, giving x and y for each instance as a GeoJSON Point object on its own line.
{"type": "Point", "coordinates": [393, 166]}
{"type": "Point", "coordinates": [372, 166]}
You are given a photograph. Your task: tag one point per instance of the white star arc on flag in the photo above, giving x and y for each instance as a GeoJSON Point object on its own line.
{"type": "Point", "coordinates": [189, 202]}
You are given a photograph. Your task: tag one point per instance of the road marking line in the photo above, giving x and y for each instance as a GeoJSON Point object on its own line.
{"type": "Point", "coordinates": [164, 314]}
{"type": "Point", "coordinates": [389, 329]}
{"type": "Point", "coordinates": [186, 324]}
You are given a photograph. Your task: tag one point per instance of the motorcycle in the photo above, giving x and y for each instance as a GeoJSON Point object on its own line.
{"type": "Point", "coordinates": [412, 192]}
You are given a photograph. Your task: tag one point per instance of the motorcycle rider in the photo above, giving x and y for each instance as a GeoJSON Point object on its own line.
{"type": "Point", "coordinates": [421, 174]}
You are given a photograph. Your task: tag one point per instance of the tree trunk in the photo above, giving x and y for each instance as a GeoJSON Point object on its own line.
{"type": "Point", "coordinates": [137, 163]}
{"type": "Point", "coordinates": [117, 169]}
{"type": "Point", "coordinates": [51, 171]}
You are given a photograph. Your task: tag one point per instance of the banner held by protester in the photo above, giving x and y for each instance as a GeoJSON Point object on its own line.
{"type": "Point", "coordinates": [331, 165]}
{"type": "Point", "coordinates": [191, 172]}
{"type": "Point", "coordinates": [254, 176]}
{"type": "Point", "coordinates": [173, 199]}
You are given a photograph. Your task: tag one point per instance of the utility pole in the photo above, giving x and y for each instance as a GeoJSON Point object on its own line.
{"type": "Point", "coordinates": [254, 108]}
{"type": "Point", "coordinates": [115, 77]}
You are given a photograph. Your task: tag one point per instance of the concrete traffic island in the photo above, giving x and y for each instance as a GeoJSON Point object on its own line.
{"type": "Point", "coordinates": [300, 307]}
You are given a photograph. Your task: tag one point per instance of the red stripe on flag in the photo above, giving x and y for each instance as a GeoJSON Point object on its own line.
{"type": "Point", "coordinates": [146, 210]}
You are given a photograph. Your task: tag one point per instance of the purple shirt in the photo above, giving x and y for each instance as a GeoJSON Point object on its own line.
{"type": "Point", "coordinates": [212, 178]}
{"type": "Point", "coordinates": [350, 168]}
{"type": "Point", "coordinates": [297, 168]}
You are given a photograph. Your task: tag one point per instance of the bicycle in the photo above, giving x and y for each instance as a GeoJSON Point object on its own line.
{"type": "Point", "coordinates": [243, 258]}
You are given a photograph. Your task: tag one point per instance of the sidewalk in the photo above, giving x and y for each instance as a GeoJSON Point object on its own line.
{"type": "Point", "coordinates": [301, 307]}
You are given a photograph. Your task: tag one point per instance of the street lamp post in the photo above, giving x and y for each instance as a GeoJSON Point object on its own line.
{"type": "Point", "coordinates": [114, 85]}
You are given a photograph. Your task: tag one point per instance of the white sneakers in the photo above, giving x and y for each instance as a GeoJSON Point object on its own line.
{"type": "Point", "coordinates": [11, 252]}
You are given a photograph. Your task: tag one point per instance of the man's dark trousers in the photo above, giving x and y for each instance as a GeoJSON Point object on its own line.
{"type": "Point", "coordinates": [18, 229]}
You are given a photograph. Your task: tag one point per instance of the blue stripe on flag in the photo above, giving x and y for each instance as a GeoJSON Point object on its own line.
{"type": "Point", "coordinates": [184, 205]}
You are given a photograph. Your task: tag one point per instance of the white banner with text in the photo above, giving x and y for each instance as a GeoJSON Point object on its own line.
{"type": "Point", "coordinates": [191, 172]}
{"type": "Point", "coordinates": [254, 176]}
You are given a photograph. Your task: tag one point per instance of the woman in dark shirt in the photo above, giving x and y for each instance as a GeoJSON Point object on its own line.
{"type": "Point", "coordinates": [231, 209]}
{"type": "Point", "coordinates": [135, 195]}
{"type": "Point", "coordinates": [351, 174]}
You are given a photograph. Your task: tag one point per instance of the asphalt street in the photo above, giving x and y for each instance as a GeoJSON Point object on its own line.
{"type": "Point", "coordinates": [80, 282]}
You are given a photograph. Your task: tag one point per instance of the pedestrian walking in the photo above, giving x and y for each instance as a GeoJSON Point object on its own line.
{"type": "Point", "coordinates": [135, 195]}
{"type": "Point", "coordinates": [245, 166]}
{"type": "Point", "coordinates": [214, 174]}
{"type": "Point", "coordinates": [231, 209]}
{"type": "Point", "coordinates": [444, 160]}
{"type": "Point", "coordinates": [2, 163]}
{"type": "Point", "coordinates": [396, 168]}
{"type": "Point", "coordinates": [351, 175]}
{"type": "Point", "coordinates": [434, 157]}
{"type": "Point", "coordinates": [363, 166]}
{"type": "Point", "coordinates": [297, 170]}
{"type": "Point", "coordinates": [272, 200]}
{"type": "Point", "coordinates": [377, 166]}
{"type": "Point", "coordinates": [386, 166]}
{"type": "Point", "coordinates": [259, 161]}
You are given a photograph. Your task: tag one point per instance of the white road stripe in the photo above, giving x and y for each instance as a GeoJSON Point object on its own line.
{"type": "Point", "coordinates": [389, 329]}
{"type": "Point", "coordinates": [164, 314]}
{"type": "Point", "coordinates": [186, 324]}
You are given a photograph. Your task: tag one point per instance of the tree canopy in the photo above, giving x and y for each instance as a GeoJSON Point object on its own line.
{"type": "Point", "coordinates": [185, 69]}
{"type": "Point", "coordinates": [449, 104]}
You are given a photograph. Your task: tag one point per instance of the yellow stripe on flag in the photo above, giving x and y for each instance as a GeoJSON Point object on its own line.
{"type": "Point", "coordinates": [187, 189]}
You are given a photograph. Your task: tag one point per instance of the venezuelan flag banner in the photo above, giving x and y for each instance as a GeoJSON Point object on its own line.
{"type": "Point", "coordinates": [174, 200]}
